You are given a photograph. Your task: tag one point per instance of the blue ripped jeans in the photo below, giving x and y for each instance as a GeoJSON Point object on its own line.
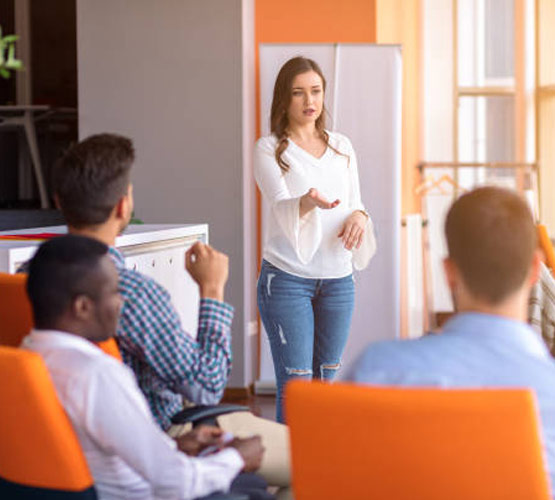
{"type": "Point", "coordinates": [307, 322]}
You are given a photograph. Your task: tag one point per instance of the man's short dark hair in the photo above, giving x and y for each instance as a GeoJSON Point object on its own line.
{"type": "Point", "coordinates": [491, 237]}
{"type": "Point", "coordinates": [91, 177]}
{"type": "Point", "coordinates": [62, 268]}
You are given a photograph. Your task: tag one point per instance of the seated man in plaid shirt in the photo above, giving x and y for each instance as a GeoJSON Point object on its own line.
{"type": "Point", "coordinates": [93, 190]}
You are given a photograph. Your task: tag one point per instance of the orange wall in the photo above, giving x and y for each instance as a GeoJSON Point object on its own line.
{"type": "Point", "coordinates": [315, 21]}
{"type": "Point", "coordinates": [398, 21]}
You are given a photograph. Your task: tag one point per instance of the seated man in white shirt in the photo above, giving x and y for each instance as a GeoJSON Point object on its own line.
{"type": "Point", "coordinates": [73, 288]}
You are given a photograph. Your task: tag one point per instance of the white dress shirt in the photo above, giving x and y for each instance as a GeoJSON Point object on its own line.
{"type": "Point", "coordinates": [309, 247]}
{"type": "Point", "coordinates": [129, 456]}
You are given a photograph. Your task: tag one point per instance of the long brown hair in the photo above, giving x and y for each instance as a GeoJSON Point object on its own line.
{"type": "Point", "coordinates": [279, 120]}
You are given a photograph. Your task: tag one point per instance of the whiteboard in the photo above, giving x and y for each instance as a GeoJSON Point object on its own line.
{"type": "Point", "coordinates": [363, 97]}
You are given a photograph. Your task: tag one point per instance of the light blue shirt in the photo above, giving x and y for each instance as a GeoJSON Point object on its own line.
{"type": "Point", "coordinates": [473, 350]}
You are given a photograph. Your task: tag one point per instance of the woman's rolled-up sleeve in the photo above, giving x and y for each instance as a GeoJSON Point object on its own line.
{"type": "Point", "coordinates": [304, 234]}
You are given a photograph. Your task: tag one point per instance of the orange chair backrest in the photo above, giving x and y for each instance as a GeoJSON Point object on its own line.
{"type": "Point", "coordinates": [352, 442]}
{"type": "Point", "coordinates": [110, 347]}
{"type": "Point", "coordinates": [16, 318]}
{"type": "Point", "coordinates": [547, 247]}
{"type": "Point", "coordinates": [38, 446]}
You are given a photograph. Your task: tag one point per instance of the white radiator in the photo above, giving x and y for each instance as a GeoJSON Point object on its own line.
{"type": "Point", "coordinates": [414, 276]}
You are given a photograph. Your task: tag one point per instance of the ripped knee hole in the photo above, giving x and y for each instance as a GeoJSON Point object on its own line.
{"type": "Point", "coordinates": [298, 371]}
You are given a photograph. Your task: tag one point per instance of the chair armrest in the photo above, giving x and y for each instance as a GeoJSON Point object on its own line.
{"type": "Point", "coordinates": [196, 414]}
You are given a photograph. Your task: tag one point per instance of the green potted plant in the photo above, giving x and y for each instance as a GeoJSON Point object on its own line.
{"type": "Point", "coordinates": [8, 62]}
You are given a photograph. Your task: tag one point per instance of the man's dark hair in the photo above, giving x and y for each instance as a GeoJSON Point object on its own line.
{"type": "Point", "coordinates": [62, 268]}
{"type": "Point", "coordinates": [91, 177]}
{"type": "Point", "coordinates": [491, 237]}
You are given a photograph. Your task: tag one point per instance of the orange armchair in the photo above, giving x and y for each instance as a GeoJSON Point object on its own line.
{"type": "Point", "coordinates": [16, 318]}
{"type": "Point", "coordinates": [547, 247]}
{"type": "Point", "coordinates": [383, 443]}
{"type": "Point", "coordinates": [40, 456]}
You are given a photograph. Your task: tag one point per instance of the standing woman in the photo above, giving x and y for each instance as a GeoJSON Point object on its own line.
{"type": "Point", "coordinates": [316, 231]}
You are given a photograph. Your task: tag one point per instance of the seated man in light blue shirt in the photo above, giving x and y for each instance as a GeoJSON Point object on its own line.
{"type": "Point", "coordinates": [492, 264]}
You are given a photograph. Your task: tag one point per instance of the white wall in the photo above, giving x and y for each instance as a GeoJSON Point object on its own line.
{"type": "Point", "coordinates": [249, 195]}
{"type": "Point", "coordinates": [169, 74]}
{"type": "Point", "coordinates": [438, 59]}
{"type": "Point", "coordinates": [437, 31]}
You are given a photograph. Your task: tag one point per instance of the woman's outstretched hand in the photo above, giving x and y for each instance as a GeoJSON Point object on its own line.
{"type": "Point", "coordinates": [313, 199]}
{"type": "Point", "coordinates": [353, 230]}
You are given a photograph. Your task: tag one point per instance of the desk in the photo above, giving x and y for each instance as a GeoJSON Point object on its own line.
{"type": "Point", "coordinates": [157, 250]}
{"type": "Point", "coordinates": [17, 117]}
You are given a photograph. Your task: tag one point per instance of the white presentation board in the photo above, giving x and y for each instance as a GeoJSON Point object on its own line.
{"type": "Point", "coordinates": [364, 100]}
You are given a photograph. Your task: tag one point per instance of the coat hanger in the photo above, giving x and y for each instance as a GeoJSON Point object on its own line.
{"type": "Point", "coordinates": [425, 184]}
{"type": "Point", "coordinates": [429, 184]}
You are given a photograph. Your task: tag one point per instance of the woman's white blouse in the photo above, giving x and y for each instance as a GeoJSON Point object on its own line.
{"type": "Point", "coordinates": [310, 247]}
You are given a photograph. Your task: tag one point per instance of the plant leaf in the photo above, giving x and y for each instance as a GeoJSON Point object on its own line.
{"type": "Point", "coordinates": [13, 64]}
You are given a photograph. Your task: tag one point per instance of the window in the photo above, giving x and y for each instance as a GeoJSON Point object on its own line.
{"type": "Point", "coordinates": [486, 91]}
{"type": "Point", "coordinates": [545, 40]}
{"type": "Point", "coordinates": [494, 105]}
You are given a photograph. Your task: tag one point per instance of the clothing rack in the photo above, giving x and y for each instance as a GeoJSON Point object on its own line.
{"type": "Point", "coordinates": [526, 173]}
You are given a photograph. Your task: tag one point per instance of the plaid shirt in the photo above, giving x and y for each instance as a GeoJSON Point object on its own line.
{"type": "Point", "coordinates": [168, 363]}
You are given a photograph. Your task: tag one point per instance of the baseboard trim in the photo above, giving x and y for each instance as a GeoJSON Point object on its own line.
{"type": "Point", "coordinates": [265, 388]}
{"type": "Point", "coordinates": [235, 393]}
